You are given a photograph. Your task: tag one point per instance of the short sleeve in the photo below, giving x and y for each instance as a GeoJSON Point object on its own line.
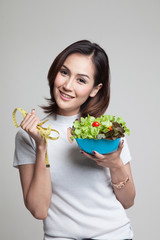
{"type": "Point", "coordinates": [25, 149]}
{"type": "Point", "coordinates": [125, 154]}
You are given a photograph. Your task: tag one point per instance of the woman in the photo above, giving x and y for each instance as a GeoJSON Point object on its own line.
{"type": "Point", "coordinates": [78, 197]}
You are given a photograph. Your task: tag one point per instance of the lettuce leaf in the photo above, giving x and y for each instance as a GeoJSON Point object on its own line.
{"type": "Point", "coordinates": [109, 128]}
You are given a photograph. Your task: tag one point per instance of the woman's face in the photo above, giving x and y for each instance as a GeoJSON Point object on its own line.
{"type": "Point", "coordinates": [74, 83]}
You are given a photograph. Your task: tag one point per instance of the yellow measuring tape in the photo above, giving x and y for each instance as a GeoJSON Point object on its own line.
{"type": "Point", "coordinates": [44, 132]}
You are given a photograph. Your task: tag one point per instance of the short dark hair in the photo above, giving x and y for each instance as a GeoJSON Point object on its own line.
{"type": "Point", "coordinates": [94, 106]}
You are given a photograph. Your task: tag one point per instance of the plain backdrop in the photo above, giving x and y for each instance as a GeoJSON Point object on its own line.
{"type": "Point", "coordinates": [33, 32]}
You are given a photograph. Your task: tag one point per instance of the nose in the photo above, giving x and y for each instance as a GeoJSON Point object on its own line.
{"type": "Point", "coordinates": [68, 84]}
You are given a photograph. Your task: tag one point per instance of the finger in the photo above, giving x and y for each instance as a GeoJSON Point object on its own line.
{"type": "Point", "coordinates": [99, 162]}
{"type": "Point", "coordinates": [87, 155]}
{"type": "Point", "coordinates": [32, 125]}
{"type": "Point", "coordinates": [98, 155]}
{"type": "Point", "coordinates": [33, 111]}
{"type": "Point", "coordinates": [27, 117]}
{"type": "Point", "coordinates": [121, 145]}
{"type": "Point", "coordinates": [27, 121]}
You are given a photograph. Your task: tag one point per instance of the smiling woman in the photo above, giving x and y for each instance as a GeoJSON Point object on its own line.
{"type": "Point", "coordinates": [89, 65]}
{"type": "Point", "coordinates": [74, 84]}
{"type": "Point", "coordinates": [79, 196]}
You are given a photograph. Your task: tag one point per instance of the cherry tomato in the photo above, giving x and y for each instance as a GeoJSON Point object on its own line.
{"type": "Point", "coordinates": [95, 124]}
{"type": "Point", "coordinates": [110, 128]}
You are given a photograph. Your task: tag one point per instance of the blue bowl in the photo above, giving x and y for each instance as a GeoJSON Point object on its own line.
{"type": "Point", "coordinates": [102, 146]}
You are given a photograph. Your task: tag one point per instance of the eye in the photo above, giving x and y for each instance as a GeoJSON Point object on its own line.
{"type": "Point", "coordinates": [81, 80]}
{"type": "Point", "coordinates": [63, 72]}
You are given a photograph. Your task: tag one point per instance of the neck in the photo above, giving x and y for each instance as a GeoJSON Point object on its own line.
{"type": "Point", "coordinates": [67, 112]}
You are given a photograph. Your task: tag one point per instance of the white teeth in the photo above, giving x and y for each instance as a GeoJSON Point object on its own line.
{"type": "Point", "coordinates": [65, 95]}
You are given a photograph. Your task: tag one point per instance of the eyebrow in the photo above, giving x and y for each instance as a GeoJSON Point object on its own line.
{"type": "Point", "coordinates": [80, 74]}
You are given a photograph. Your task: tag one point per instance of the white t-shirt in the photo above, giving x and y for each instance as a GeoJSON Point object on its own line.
{"type": "Point", "coordinates": [83, 204]}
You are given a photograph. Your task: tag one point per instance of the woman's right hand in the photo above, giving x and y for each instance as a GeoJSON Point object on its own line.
{"type": "Point", "coordinates": [29, 124]}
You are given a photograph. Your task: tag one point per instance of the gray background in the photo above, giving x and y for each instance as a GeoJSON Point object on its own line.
{"type": "Point", "coordinates": [33, 32]}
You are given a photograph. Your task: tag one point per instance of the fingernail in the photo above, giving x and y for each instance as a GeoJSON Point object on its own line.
{"type": "Point", "coordinates": [81, 152]}
{"type": "Point", "coordinates": [94, 152]}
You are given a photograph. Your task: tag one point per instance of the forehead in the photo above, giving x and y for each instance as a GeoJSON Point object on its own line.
{"type": "Point", "coordinates": [79, 63]}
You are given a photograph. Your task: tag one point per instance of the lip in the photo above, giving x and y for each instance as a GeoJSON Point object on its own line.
{"type": "Point", "coordinates": [65, 98]}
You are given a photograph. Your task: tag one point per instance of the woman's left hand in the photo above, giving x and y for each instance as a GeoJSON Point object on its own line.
{"type": "Point", "coordinates": [119, 172]}
{"type": "Point", "coordinates": [110, 160]}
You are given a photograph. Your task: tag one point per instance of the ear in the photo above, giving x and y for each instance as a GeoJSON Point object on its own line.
{"type": "Point", "coordinates": [95, 90]}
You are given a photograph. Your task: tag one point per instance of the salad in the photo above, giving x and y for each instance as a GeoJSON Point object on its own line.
{"type": "Point", "coordinates": [104, 127]}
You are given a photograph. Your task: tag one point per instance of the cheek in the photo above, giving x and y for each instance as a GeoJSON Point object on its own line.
{"type": "Point", "coordinates": [58, 80]}
{"type": "Point", "coordinates": [84, 91]}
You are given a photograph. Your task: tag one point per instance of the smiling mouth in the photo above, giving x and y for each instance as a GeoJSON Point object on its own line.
{"type": "Point", "coordinates": [66, 96]}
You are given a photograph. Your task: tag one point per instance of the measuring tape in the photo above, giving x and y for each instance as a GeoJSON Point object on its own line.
{"type": "Point", "coordinates": [44, 132]}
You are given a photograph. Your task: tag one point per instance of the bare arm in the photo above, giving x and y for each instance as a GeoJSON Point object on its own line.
{"type": "Point", "coordinates": [119, 172]}
{"type": "Point", "coordinates": [35, 178]}
{"type": "Point", "coordinates": [125, 195]}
